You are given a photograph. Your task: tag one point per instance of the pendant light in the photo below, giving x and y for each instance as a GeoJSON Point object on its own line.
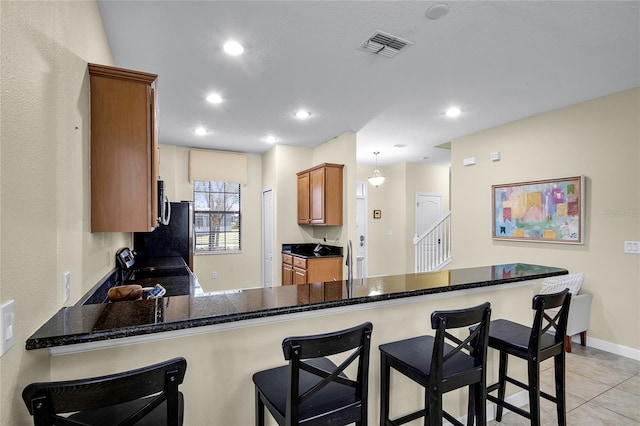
{"type": "Point", "coordinates": [377, 178]}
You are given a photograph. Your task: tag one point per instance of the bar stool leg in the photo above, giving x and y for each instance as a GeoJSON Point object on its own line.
{"type": "Point", "coordinates": [385, 372]}
{"type": "Point", "coordinates": [433, 406]}
{"type": "Point", "coordinates": [534, 392]}
{"type": "Point", "coordinates": [259, 410]}
{"type": "Point", "coordinates": [502, 380]}
{"type": "Point", "coordinates": [561, 401]}
{"type": "Point", "coordinates": [471, 405]}
{"type": "Point", "coordinates": [480, 404]}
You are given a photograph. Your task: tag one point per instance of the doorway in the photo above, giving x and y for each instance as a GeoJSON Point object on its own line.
{"type": "Point", "coordinates": [267, 238]}
{"type": "Point", "coordinates": [360, 246]}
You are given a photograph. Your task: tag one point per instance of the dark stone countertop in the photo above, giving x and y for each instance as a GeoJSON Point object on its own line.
{"type": "Point", "coordinates": [312, 250]}
{"type": "Point", "coordinates": [106, 321]}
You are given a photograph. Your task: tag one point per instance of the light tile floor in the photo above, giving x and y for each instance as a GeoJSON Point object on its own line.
{"type": "Point", "coordinates": [602, 389]}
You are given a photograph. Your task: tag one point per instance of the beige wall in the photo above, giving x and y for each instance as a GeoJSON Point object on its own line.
{"type": "Point", "coordinates": [390, 247]}
{"type": "Point", "coordinates": [44, 175]}
{"type": "Point", "coordinates": [232, 270]}
{"type": "Point", "coordinates": [275, 170]}
{"type": "Point", "coordinates": [599, 139]}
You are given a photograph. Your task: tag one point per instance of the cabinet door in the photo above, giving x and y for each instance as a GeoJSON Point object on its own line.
{"type": "Point", "coordinates": [320, 195]}
{"type": "Point", "coordinates": [316, 196]}
{"type": "Point", "coordinates": [124, 154]}
{"type": "Point", "coordinates": [333, 196]}
{"type": "Point", "coordinates": [287, 274]}
{"type": "Point", "coordinates": [324, 269]}
{"type": "Point", "coordinates": [303, 199]}
{"type": "Point", "coordinates": [299, 276]}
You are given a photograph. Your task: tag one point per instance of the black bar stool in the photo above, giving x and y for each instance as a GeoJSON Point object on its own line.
{"type": "Point", "coordinates": [441, 367]}
{"type": "Point", "coordinates": [145, 396]}
{"type": "Point", "coordinates": [312, 390]}
{"type": "Point", "coordinates": [545, 339]}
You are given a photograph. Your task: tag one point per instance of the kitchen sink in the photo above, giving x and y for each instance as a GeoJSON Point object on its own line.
{"type": "Point", "coordinates": [143, 273]}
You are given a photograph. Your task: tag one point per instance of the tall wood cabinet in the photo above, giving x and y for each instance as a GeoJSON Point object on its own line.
{"type": "Point", "coordinates": [320, 195]}
{"type": "Point", "coordinates": [124, 150]}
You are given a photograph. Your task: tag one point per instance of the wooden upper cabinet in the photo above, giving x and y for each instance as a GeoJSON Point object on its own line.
{"type": "Point", "coordinates": [320, 195]}
{"type": "Point", "coordinates": [124, 150]}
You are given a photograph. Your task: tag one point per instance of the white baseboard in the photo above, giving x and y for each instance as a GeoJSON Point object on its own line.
{"type": "Point", "coordinates": [613, 348]}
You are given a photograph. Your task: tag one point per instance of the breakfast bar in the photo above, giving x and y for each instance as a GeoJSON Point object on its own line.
{"type": "Point", "coordinates": [227, 336]}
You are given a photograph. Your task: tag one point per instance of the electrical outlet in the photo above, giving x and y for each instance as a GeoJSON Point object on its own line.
{"type": "Point", "coordinates": [214, 275]}
{"type": "Point", "coordinates": [66, 286]}
{"type": "Point", "coordinates": [632, 247]}
{"type": "Point", "coordinates": [7, 326]}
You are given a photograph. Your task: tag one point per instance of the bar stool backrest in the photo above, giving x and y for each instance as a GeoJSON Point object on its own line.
{"type": "Point", "coordinates": [475, 344]}
{"type": "Point", "coordinates": [46, 400]}
{"type": "Point", "coordinates": [298, 350]}
{"type": "Point", "coordinates": [549, 320]}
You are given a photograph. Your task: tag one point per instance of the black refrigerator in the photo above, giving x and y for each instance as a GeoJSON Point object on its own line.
{"type": "Point", "coordinates": [174, 239]}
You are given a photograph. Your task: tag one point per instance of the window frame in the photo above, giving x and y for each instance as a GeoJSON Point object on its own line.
{"type": "Point", "coordinates": [217, 189]}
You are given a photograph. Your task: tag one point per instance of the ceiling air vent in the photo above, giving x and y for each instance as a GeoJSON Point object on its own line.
{"type": "Point", "coordinates": [384, 44]}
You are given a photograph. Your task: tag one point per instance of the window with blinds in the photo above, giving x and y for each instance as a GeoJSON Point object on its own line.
{"type": "Point", "coordinates": [217, 217]}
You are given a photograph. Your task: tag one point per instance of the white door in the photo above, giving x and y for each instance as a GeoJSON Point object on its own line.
{"type": "Point", "coordinates": [360, 245]}
{"type": "Point", "coordinates": [267, 238]}
{"type": "Point", "coordinates": [428, 210]}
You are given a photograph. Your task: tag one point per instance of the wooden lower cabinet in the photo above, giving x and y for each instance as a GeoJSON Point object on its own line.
{"type": "Point", "coordinates": [287, 274]}
{"type": "Point", "coordinates": [324, 269]}
{"type": "Point", "coordinates": [299, 270]}
{"type": "Point", "coordinates": [299, 276]}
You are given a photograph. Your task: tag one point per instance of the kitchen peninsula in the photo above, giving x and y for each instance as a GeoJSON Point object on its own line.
{"type": "Point", "coordinates": [228, 336]}
{"type": "Point", "coordinates": [107, 321]}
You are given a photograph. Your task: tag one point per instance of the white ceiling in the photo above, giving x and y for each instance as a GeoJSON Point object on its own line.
{"type": "Point", "coordinates": [499, 61]}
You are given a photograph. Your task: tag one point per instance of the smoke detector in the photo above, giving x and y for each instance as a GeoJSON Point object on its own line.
{"type": "Point", "coordinates": [384, 44]}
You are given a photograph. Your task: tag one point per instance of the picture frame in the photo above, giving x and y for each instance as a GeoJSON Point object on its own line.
{"type": "Point", "coordinates": [548, 210]}
{"type": "Point", "coordinates": [377, 214]}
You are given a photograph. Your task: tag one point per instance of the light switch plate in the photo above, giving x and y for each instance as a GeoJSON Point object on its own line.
{"type": "Point", "coordinates": [7, 326]}
{"type": "Point", "coordinates": [66, 286]}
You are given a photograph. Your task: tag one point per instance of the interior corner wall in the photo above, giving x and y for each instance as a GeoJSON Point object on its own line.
{"type": "Point", "coordinates": [340, 150]}
{"type": "Point", "coordinates": [45, 176]}
{"type": "Point", "coordinates": [387, 246]}
{"type": "Point", "coordinates": [599, 139]}
{"type": "Point", "coordinates": [280, 164]}
{"type": "Point", "coordinates": [231, 269]}
{"type": "Point", "coordinates": [390, 238]}
{"type": "Point", "coordinates": [426, 179]}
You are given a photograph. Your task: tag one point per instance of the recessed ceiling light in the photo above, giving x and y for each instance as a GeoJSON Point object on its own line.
{"type": "Point", "coordinates": [200, 131]}
{"type": "Point", "coordinates": [424, 158]}
{"type": "Point", "coordinates": [271, 139]}
{"type": "Point", "coordinates": [453, 112]}
{"type": "Point", "coordinates": [400, 145]}
{"type": "Point", "coordinates": [437, 11]}
{"type": "Point", "coordinates": [233, 48]}
{"type": "Point", "coordinates": [303, 114]}
{"type": "Point", "coordinates": [214, 98]}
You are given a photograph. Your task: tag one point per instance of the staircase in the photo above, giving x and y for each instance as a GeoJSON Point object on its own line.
{"type": "Point", "coordinates": [433, 247]}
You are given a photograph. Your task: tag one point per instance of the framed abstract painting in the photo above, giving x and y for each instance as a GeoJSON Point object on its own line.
{"type": "Point", "coordinates": [549, 210]}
